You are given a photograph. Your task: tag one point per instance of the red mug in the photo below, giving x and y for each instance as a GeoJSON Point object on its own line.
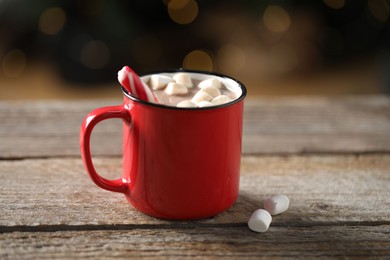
{"type": "Point", "coordinates": [178, 163]}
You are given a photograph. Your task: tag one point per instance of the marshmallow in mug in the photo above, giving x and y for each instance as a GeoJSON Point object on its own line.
{"type": "Point", "coordinates": [191, 90]}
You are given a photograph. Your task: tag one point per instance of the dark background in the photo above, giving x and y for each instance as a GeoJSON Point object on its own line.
{"type": "Point", "coordinates": [282, 47]}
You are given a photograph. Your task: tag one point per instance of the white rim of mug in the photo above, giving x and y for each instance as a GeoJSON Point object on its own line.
{"type": "Point", "coordinates": [241, 97]}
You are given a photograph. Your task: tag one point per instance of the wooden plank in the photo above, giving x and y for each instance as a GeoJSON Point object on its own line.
{"type": "Point", "coordinates": [358, 124]}
{"type": "Point", "coordinates": [323, 189]}
{"type": "Point", "coordinates": [51, 128]}
{"type": "Point", "coordinates": [322, 124]}
{"type": "Point", "coordinates": [200, 242]}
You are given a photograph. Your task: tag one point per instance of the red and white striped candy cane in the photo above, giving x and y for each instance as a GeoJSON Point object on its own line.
{"type": "Point", "coordinates": [135, 86]}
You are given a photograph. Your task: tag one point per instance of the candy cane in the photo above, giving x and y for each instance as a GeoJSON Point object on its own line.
{"type": "Point", "coordinates": [135, 86]}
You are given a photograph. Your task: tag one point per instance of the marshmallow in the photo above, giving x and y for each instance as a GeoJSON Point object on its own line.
{"type": "Point", "coordinates": [276, 204]}
{"type": "Point", "coordinates": [260, 221]}
{"type": "Point", "coordinates": [212, 91]}
{"type": "Point", "coordinates": [175, 89]}
{"type": "Point", "coordinates": [205, 104]}
{"type": "Point", "coordinates": [186, 103]}
{"type": "Point", "coordinates": [221, 99]}
{"type": "Point", "coordinates": [184, 79]}
{"type": "Point", "coordinates": [159, 81]}
{"type": "Point", "coordinates": [213, 82]}
{"type": "Point", "coordinates": [201, 96]}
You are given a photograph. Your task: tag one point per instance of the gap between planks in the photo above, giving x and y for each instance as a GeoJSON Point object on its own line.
{"type": "Point", "coordinates": [265, 154]}
{"type": "Point", "coordinates": [179, 225]}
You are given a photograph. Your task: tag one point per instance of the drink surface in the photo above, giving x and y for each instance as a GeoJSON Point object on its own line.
{"type": "Point", "coordinates": [187, 89]}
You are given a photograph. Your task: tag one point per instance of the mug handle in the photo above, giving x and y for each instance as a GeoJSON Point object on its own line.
{"type": "Point", "coordinates": [89, 122]}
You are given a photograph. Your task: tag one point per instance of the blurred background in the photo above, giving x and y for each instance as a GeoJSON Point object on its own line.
{"type": "Point", "coordinates": [73, 49]}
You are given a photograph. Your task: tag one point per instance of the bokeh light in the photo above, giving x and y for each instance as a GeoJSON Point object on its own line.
{"type": "Point", "coordinates": [94, 55]}
{"type": "Point", "coordinates": [199, 60]}
{"type": "Point", "coordinates": [379, 9]}
{"type": "Point", "coordinates": [231, 59]}
{"type": "Point", "coordinates": [335, 4]}
{"type": "Point", "coordinates": [14, 63]}
{"type": "Point", "coordinates": [52, 20]}
{"type": "Point", "coordinates": [183, 11]}
{"type": "Point", "coordinates": [276, 19]}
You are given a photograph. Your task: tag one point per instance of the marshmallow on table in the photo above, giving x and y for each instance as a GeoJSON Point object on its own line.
{"type": "Point", "coordinates": [212, 91]}
{"type": "Point", "coordinates": [176, 89]}
{"type": "Point", "coordinates": [186, 103]}
{"type": "Point", "coordinates": [276, 204]}
{"type": "Point", "coordinates": [221, 99]}
{"type": "Point", "coordinates": [201, 96]}
{"type": "Point", "coordinates": [184, 79]}
{"type": "Point", "coordinates": [159, 81]}
{"type": "Point", "coordinates": [212, 82]}
{"type": "Point", "coordinates": [260, 221]}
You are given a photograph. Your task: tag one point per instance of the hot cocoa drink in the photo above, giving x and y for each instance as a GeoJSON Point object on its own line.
{"type": "Point", "coordinates": [180, 162]}
{"type": "Point", "coordinates": [191, 90]}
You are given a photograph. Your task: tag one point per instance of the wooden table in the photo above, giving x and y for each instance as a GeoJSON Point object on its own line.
{"type": "Point", "coordinates": [329, 155]}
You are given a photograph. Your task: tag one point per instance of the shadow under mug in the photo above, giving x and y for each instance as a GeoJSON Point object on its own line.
{"type": "Point", "coordinates": [178, 163]}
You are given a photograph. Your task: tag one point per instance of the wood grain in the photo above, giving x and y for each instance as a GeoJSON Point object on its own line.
{"type": "Point", "coordinates": [198, 242]}
{"type": "Point", "coordinates": [330, 156]}
{"type": "Point", "coordinates": [56, 193]}
{"type": "Point", "coordinates": [359, 124]}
